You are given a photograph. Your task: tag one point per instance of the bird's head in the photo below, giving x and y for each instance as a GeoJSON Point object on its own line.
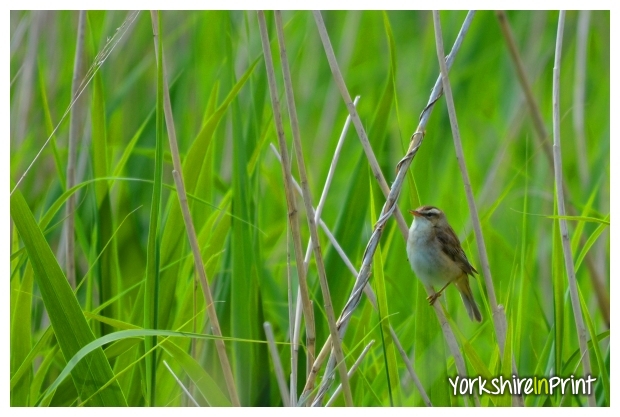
{"type": "Point", "coordinates": [429, 214]}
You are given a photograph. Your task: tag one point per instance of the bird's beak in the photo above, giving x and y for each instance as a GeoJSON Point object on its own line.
{"type": "Point", "coordinates": [415, 213]}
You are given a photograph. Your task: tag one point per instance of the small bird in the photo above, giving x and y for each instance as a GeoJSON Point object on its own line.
{"type": "Point", "coordinates": [437, 258]}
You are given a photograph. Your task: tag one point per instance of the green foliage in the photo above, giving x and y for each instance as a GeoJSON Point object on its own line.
{"type": "Point", "coordinates": [138, 301]}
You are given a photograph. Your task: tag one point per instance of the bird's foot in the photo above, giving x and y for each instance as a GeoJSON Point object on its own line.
{"type": "Point", "coordinates": [432, 298]}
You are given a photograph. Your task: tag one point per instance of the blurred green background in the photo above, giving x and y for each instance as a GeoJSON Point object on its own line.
{"type": "Point", "coordinates": [239, 209]}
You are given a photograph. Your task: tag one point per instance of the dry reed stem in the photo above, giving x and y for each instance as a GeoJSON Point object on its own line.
{"type": "Point", "coordinates": [24, 103]}
{"type": "Point", "coordinates": [568, 257]}
{"type": "Point", "coordinates": [307, 199]}
{"type": "Point", "coordinates": [293, 214]}
{"type": "Point", "coordinates": [277, 364]}
{"type": "Point", "coordinates": [539, 124]}
{"type": "Point", "coordinates": [542, 135]}
{"type": "Point", "coordinates": [185, 390]}
{"type": "Point", "coordinates": [72, 157]}
{"type": "Point", "coordinates": [499, 316]}
{"type": "Point", "coordinates": [458, 146]}
{"type": "Point", "coordinates": [346, 47]}
{"type": "Point", "coordinates": [317, 218]}
{"type": "Point", "coordinates": [191, 232]}
{"type": "Point", "coordinates": [291, 322]}
{"type": "Point", "coordinates": [387, 210]}
{"type": "Point", "coordinates": [371, 297]}
{"type": "Point", "coordinates": [579, 97]}
{"type": "Point", "coordinates": [356, 364]}
{"type": "Point", "coordinates": [357, 122]}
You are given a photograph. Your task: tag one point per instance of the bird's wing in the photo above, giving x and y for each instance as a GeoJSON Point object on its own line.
{"type": "Point", "coordinates": [451, 246]}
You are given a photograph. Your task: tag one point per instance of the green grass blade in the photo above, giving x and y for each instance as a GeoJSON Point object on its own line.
{"type": "Point", "coordinates": [203, 381]}
{"type": "Point", "coordinates": [21, 336]}
{"type": "Point", "coordinates": [120, 165]}
{"type": "Point", "coordinates": [26, 365]}
{"type": "Point", "coordinates": [591, 240]}
{"type": "Point", "coordinates": [70, 327]}
{"type": "Point", "coordinates": [37, 381]}
{"type": "Point", "coordinates": [60, 165]}
{"type": "Point", "coordinates": [603, 371]}
{"type": "Point", "coordinates": [582, 219]}
{"type": "Point", "coordinates": [151, 295]}
{"type": "Point", "coordinates": [576, 236]}
{"type": "Point", "coordinates": [389, 353]}
{"type": "Point", "coordinates": [107, 267]}
{"type": "Point", "coordinates": [95, 346]}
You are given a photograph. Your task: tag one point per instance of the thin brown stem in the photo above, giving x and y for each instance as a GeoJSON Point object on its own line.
{"type": "Point", "coordinates": [191, 234]}
{"type": "Point", "coordinates": [532, 105]}
{"type": "Point", "coordinates": [307, 198]}
{"type": "Point", "coordinates": [498, 314]}
{"type": "Point", "coordinates": [579, 96]}
{"type": "Point", "coordinates": [568, 257]}
{"type": "Point", "coordinates": [317, 218]}
{"type": "Point", "coordinates": [357, 122]}
{"type": "Point", "coordinates": [293, 214]}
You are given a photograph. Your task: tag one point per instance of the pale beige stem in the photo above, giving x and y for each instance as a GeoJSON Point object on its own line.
{"type": "Point", "coordinates": [356, 365]}
{"type": "Point", "coordinates": [568, 256]}
{"type": "Point", "coordinates": [185, 390]}
{"type": "Point", "coordinates": [357, 122]}
{"type": "Point", "coordinates": [317, 216]}
{"type": "Point", "coordinates": [191, 234]}
{"type": "Point", "coordinates": [499, 318]}
{"type": "Point", "coordinates": [307, 198]}
{"type": "Point", "coordinates": [277, 364]}
{"type": "Point", "coordinates": [293, 214]}
{"type": "Point", "coordinates": [579, 97]}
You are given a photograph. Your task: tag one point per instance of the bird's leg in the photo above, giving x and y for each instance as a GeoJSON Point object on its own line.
{"type": "Point", "coordinates": [433, 297]}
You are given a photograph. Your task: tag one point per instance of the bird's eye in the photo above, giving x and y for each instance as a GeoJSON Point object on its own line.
{"type": "Point", "coordinates": [429, 214]}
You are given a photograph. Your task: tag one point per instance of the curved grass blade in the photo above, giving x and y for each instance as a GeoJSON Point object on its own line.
{"type": "Point", "coordinates": [70, 326]}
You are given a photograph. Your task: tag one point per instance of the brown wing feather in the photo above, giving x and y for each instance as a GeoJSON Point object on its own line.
{"type": "Point", "coordinates": [451, 246]}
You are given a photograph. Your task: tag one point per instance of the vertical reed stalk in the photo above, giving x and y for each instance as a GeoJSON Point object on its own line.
{"type": "Point", "coordinates": [499, 315]}
{"type": "Point", "coordinates": [357, 122]}
{"type": "Point", "coordinates": [277, 364]}
{"type": "Point", "coordinates": [191, 231]}
{"type": "Point", "coordinates": [293, 214]}
{"type": "Point", "coordinates": [579, 96]}
{"type": "Point", "coordinates": [307, 198]}
{"type": "Point", "coordinates": [557, 164]}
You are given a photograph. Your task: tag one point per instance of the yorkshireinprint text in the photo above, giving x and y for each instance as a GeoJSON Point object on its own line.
{"type": "Point", "coordinates": [518, 386]}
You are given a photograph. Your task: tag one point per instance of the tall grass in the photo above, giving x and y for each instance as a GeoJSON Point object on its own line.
{"type": "Point", "coordinates": [140, 329]}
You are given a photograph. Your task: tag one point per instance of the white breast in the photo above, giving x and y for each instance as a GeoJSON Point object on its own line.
{"type": "Point", "coordinates": [427, 260]}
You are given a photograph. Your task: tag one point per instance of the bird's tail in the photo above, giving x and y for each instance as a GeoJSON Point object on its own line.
{"type": "Point", "coordinates": [462, 284]}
